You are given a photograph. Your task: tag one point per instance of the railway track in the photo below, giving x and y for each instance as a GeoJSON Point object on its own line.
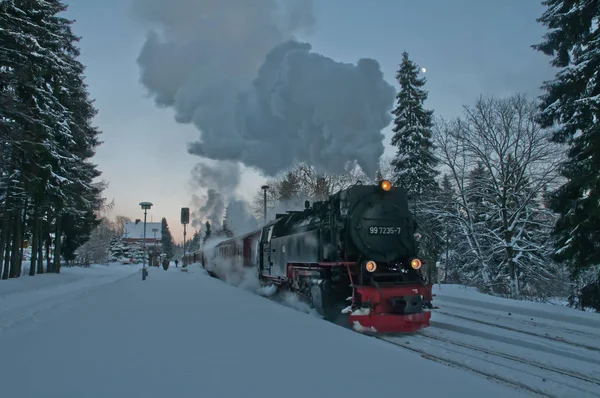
{"type": "Point", "coordinates": [575, 375]}
{"type": "Point", "coordinates": [540, 379]}
{"type": "Point", "coordinates": [498, 324]}
{"type": "Point", "coordinates": [505, 365]}
{"type": "Point", "coordinates": [461, 365]}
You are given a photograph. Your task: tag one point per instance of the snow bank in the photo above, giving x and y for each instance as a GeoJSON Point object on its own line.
{"type": "Point", "coordinates": [117, 341]}
{"type": "Point", "coordinates": [466, 295]}
{"type": "Point", "coordinates": [23, 298]}
{"type": "Point", "coordinates": [67, 276]}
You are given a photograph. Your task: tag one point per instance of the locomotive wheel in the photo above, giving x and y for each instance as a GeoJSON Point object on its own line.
{"type": "Point", "coordinates": [329, 303]}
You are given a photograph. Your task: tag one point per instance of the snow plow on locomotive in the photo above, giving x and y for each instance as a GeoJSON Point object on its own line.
{"type": "Point", "coordinates": [353, 257]}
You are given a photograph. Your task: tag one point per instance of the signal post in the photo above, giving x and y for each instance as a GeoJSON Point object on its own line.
{"type": "Point", "coordinates": [185, 220]}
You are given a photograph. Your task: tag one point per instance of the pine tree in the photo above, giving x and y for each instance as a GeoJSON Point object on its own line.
{"type": "Point", "coordinates": [225, 230]}
{"type": "Point", "coordinates": [78, 196]}
{"type": "Point", "coordinates": [45, 120]}
{"type": "Point", "coordinates": [414, 162]}
{"type": "Point", "coordinates": [77, 232]}
{"type": "Point", "coordinates": [116, 248]}
{"type": "Point", "coordinates": [572, 104]}
{"type": "Point", "coordinates": [166, 240]}
{"type": "Point", "coordinates": [207, 233]}
{"type": "Point", "coordinates": [195, 242]}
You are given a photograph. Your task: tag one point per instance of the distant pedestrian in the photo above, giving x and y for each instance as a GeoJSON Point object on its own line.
{"type": "Point", "coordinates": [176, 262]}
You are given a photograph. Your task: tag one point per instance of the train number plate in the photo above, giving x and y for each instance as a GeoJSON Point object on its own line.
{"type": "Point", "coordinates": [384, 230]}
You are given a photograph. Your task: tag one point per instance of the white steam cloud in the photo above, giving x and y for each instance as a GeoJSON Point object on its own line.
{"type": "Point", "coordinates": [209, 208]}
{"type": "Point", "coordinates": [304, 107]}
{"type": "Point", "coordinates": [234, 70]}
{"type": "Point", "coordinates": [239, 218]}
{"type": "Point", "coordinates": [225, 175]}
{"type": "Point", "coordinates": [247, 279]}
{"type": "Point", "coordinates": [220, 181]}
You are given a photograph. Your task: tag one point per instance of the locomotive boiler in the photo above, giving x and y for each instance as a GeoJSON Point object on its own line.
{"type": "Point", "coordinates": [353, 257]}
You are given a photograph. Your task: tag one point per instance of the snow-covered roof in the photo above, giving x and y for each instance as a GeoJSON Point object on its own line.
{"type": "Point", "coordinates": [136, 231]}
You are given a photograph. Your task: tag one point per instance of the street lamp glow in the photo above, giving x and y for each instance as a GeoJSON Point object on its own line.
{"type": "Point", "coordinates": [423, 70]}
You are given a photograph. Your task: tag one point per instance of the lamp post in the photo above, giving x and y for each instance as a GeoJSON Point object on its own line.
{"type": "Point", "coordinates": [145, 206]}
{"type": "Point", "coordinates": [264, 188]}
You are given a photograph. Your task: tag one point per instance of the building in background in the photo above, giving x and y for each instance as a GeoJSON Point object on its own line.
{"type": "Point", "coordinates": [133, 236]}
{"type": "Point", "coordinates": [133, 232]}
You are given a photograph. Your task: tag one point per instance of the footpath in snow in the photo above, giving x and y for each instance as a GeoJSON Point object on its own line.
{"type": "Point", "coordinates": [21, 299]}
{"type": "Point", "coordinates": [188, 335]}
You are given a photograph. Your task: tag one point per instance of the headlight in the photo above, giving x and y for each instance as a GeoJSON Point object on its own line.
{"type": "Point", "coordinates": [415, 263]}
{"type": "Point", "coordinates": [371, 266]}
{"type": "Point", "coordinates": [386, 185]}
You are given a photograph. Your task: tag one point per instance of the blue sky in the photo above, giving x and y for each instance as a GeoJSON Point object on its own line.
{"type": "Point", "coordinates": [469, 47]}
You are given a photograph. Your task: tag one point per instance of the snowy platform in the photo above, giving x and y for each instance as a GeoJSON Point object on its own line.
{"type": "Point", "coordinates": [188, 335]}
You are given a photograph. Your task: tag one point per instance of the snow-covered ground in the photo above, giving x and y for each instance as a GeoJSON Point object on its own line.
{"type": "Point", "coordinates": [543, 348]}
{"type": "Point", "coordinates": [22, 299]}
{"type": "Point", "coordinates": [103, 332]}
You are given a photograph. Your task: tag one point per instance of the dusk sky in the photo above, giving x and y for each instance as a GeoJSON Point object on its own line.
{"type": "Point", "coordinates": [469, 47]}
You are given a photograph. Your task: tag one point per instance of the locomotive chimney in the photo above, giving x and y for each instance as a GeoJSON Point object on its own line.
{"type": "Point", "coordinates": [264, 188]}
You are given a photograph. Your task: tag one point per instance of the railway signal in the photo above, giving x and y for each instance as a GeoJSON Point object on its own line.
{"type": "Point", "coordinates": [185, 220]}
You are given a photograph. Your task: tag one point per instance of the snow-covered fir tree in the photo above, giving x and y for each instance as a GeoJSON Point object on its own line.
{"type": "Point", "coordinates": [572, 105]}
{"type": "Point", "coordinates": [166, 240]}
{"type": "Point", "coordinates": [47, 181]}
{"type": "Point", "coordinates": [195, 241]}
{"type": "Point", "coordinates": [117, 248]}
{"type": "Point", "coordinates": [225, 231]}
{"type": "Point", "coordinates": [415, 162]}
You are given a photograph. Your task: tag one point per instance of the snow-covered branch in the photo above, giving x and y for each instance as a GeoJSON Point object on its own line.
{"type": "Point", "coordinates": [500, 163]}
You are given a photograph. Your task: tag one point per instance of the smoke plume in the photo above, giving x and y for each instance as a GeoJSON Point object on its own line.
{"type": "Point", "coordinates": [233, 69]}
{"type": "Point", "coordinates": [225, 175]}
{"type": "Point", "coordinates": [239, 218]}
{"type": "Point", "coordinates": [210, 208]}
{"type": "Point", "coordinates": [304, 107]}
{"type": "Point", "coordinates": [220, 182]}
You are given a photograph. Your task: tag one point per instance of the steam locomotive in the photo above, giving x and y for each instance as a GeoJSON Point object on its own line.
{"type": "Point", "coordinates": [358, 246]}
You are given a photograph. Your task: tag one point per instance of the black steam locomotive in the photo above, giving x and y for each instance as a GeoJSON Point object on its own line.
{"type": "Point", "coordinates": [353, 257]}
